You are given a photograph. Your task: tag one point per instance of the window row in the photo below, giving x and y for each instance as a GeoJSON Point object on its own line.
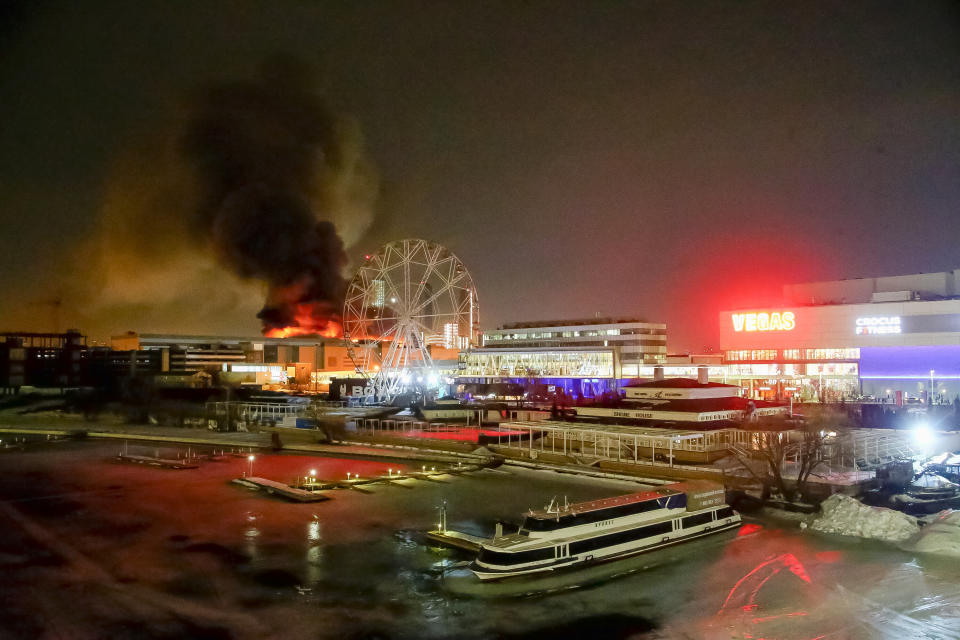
{"type": "Point", "coordinates": [590, 333]}
{"type": "Point", "coordinates": [746, 355]}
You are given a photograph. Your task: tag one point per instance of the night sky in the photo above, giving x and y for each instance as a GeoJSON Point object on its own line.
{"type": "Point", "coordinates": [660, 159]}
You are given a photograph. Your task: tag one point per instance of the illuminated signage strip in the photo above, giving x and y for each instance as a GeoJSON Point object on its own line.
{"type": "Point", "coordinates": [676, 416]}
{"type": "Point", "coordinates": [936, 376]}
{"type": "Point", "coordinates": [764, 321]}
{"type": "Point", "coordinates": [878, 325]}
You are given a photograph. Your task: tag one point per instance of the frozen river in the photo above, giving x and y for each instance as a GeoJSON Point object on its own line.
{"type": "Point", "coordinates": [90, 549]}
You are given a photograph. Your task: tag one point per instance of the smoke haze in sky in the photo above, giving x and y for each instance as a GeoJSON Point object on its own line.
{"type": "Point", "coordinates": [661, 159]}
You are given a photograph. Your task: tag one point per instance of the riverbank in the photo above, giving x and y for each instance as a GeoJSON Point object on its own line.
{"type": "Point", "coordinates": [355, 445]}
{"type": "Point", "coordinates": [92, 548]}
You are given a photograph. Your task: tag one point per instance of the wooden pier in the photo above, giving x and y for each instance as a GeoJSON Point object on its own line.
{"type": "Point", "coordinates": [457, 539]}
{"type": "Point", "coordinates": [166, 463]}
{"type": "Point", "coordinates": [283, 490]}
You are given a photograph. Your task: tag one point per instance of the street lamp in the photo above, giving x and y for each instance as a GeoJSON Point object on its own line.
{"type": "Point", "coordinates": [250, 459]}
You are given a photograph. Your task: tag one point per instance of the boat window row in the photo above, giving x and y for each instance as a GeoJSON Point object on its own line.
{"type": "Point", "coordinates": [693, 521]}
{"type": "Point", "coordinates": [622, 537]}
{"type": "Point", "coordinates": [725, 512]}
{"type": "Point", "coordinates": [573, 520]}
{"type": "Point", "coordinates": [503, 558]}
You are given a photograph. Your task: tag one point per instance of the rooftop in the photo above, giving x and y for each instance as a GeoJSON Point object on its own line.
{"type": "Point", "coordinates": [699, 405]}
{"type": "Point", "coordinates": [576, 322]}
{"type": "Point", "coordinates": [606, 503]}
{"type": "Point", "coordinates": [167, 338]}
{"type": "Point", "coordinates": [678, 383]}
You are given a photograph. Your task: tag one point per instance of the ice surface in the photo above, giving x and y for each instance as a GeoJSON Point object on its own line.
{"type": "Point", "coordinates": [846, 516]}
{"type": "Point", "coordinates": [941, 537]}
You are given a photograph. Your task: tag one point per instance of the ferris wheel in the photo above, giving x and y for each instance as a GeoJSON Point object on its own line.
{"type": "Point", "coordinates": [408, 297]}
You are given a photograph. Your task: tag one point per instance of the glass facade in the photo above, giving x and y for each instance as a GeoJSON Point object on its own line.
{"type": "Point", "coordinates": [538, 364]}
{"type": "Point", "coordinates": [824, 375]}
{"type": "Point", "coordinates": [787, 355]}
{"type": "Point", "coordinates": [639, 342]}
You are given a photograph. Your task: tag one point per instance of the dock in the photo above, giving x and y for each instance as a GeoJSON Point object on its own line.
{"type": "Point", "coordinates": [457, 539]}
{"type": "Point", "coordinates": [283, 490]}
{"type": "Point", "coordinates": [166, 463]}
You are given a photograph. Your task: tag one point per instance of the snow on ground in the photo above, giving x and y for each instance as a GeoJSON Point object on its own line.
{"type": "Point", "coordinates": [846, 516]}
{"type": "Point", "coordinates": [941, 536]}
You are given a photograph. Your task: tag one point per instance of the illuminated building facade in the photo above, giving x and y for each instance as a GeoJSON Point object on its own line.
{"type": "Point", "coordinates": [575, 371]}
{"type": "Point", "coordinates": [892, 338]}
{"type": "Point", "coordinates": [580, 358]}
{"type": "Point", "coordinates": [307, 363]}
{"type": "Point", "coordinates": [638, 342]}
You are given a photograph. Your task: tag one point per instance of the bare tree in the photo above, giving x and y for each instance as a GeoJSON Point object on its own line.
{"type": "Point", "coordinates": [819, 424]}
{"type": "Point", "coordinates": [777, 439]}
{"type": "Point", "coordinates": [763, 459]}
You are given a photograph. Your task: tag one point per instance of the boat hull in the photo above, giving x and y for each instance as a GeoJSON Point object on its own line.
{"type": "Point", "coordinates": [487, 574]}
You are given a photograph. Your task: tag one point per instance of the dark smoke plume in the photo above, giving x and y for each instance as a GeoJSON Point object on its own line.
{"type": "Point", "coordinates": [271, 165]}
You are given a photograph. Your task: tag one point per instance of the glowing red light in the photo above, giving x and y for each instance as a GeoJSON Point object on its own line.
{"type": "Point", "coordinates": [764, 321]}
{"type": "Point", "coordinates": [747, 587]}
{"type": "Point", "coordinates": [828, 556]}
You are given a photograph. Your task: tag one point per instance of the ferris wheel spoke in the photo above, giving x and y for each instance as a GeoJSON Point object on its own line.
{"type": "Point", "coordinates": [433, 298]}
{"type": "Point", "coordinates": [406, 295]}
{"type": "Point", "coordinates": [430, 266]}
{"type": "Point", "coordinates": [445, 314]}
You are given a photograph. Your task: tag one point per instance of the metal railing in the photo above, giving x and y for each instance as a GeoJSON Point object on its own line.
{"type": "Point", "coordinates": [254, 411]}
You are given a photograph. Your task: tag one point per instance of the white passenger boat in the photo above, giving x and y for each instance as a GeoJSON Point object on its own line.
{"type": "Point", "coordinates": [561, 536]}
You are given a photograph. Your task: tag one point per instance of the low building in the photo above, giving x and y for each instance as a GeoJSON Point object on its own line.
{"type": "Point", "coordinates": [303, 362]}
{"type": "Point", "coordinates": [51, 360]}
{"type": "Point", "coordinates": [578, 358]}
{"type": "Point", "coordinates": [638, 342]}
{"type": "Point", "coordinates": [574, 371]}
{"type": "Point", "coordinates": [894, 339]}
{"type": "Point", "coordinates": [677, 402]}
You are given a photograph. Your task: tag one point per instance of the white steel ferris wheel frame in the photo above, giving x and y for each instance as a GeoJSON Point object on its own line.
{"type": "Point", "coordinates": [408, 293]}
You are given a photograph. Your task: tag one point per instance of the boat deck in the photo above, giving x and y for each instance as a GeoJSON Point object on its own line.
{"type": "Point", "coordinates": [457, 539]}
{"type": "Point", "coordinates": [606, 503]}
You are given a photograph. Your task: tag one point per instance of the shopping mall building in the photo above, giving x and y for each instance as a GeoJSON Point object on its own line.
{"type": "Point", "coordinates": [893, 338]}
{"type": "Point", "coordinates": [582, 357]}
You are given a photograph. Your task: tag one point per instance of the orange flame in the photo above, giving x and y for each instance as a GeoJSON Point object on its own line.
{"type": "Point", "coordinates": [309, 320]}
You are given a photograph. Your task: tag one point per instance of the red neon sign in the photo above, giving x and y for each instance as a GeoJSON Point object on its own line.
{"type": "Point", "coordinates": [764, 321]}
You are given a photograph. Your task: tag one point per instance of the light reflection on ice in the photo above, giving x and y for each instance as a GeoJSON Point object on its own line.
{"type": "Point", "coordinates": [364, 569]}
{"type": "Point", "coordinates": [313, 531]}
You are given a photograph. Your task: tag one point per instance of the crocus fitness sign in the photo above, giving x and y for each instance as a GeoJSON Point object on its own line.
{"type": "Point", "coordinates": [764, 321]}
{"type": "Point", "coordinates": [878, 325]}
